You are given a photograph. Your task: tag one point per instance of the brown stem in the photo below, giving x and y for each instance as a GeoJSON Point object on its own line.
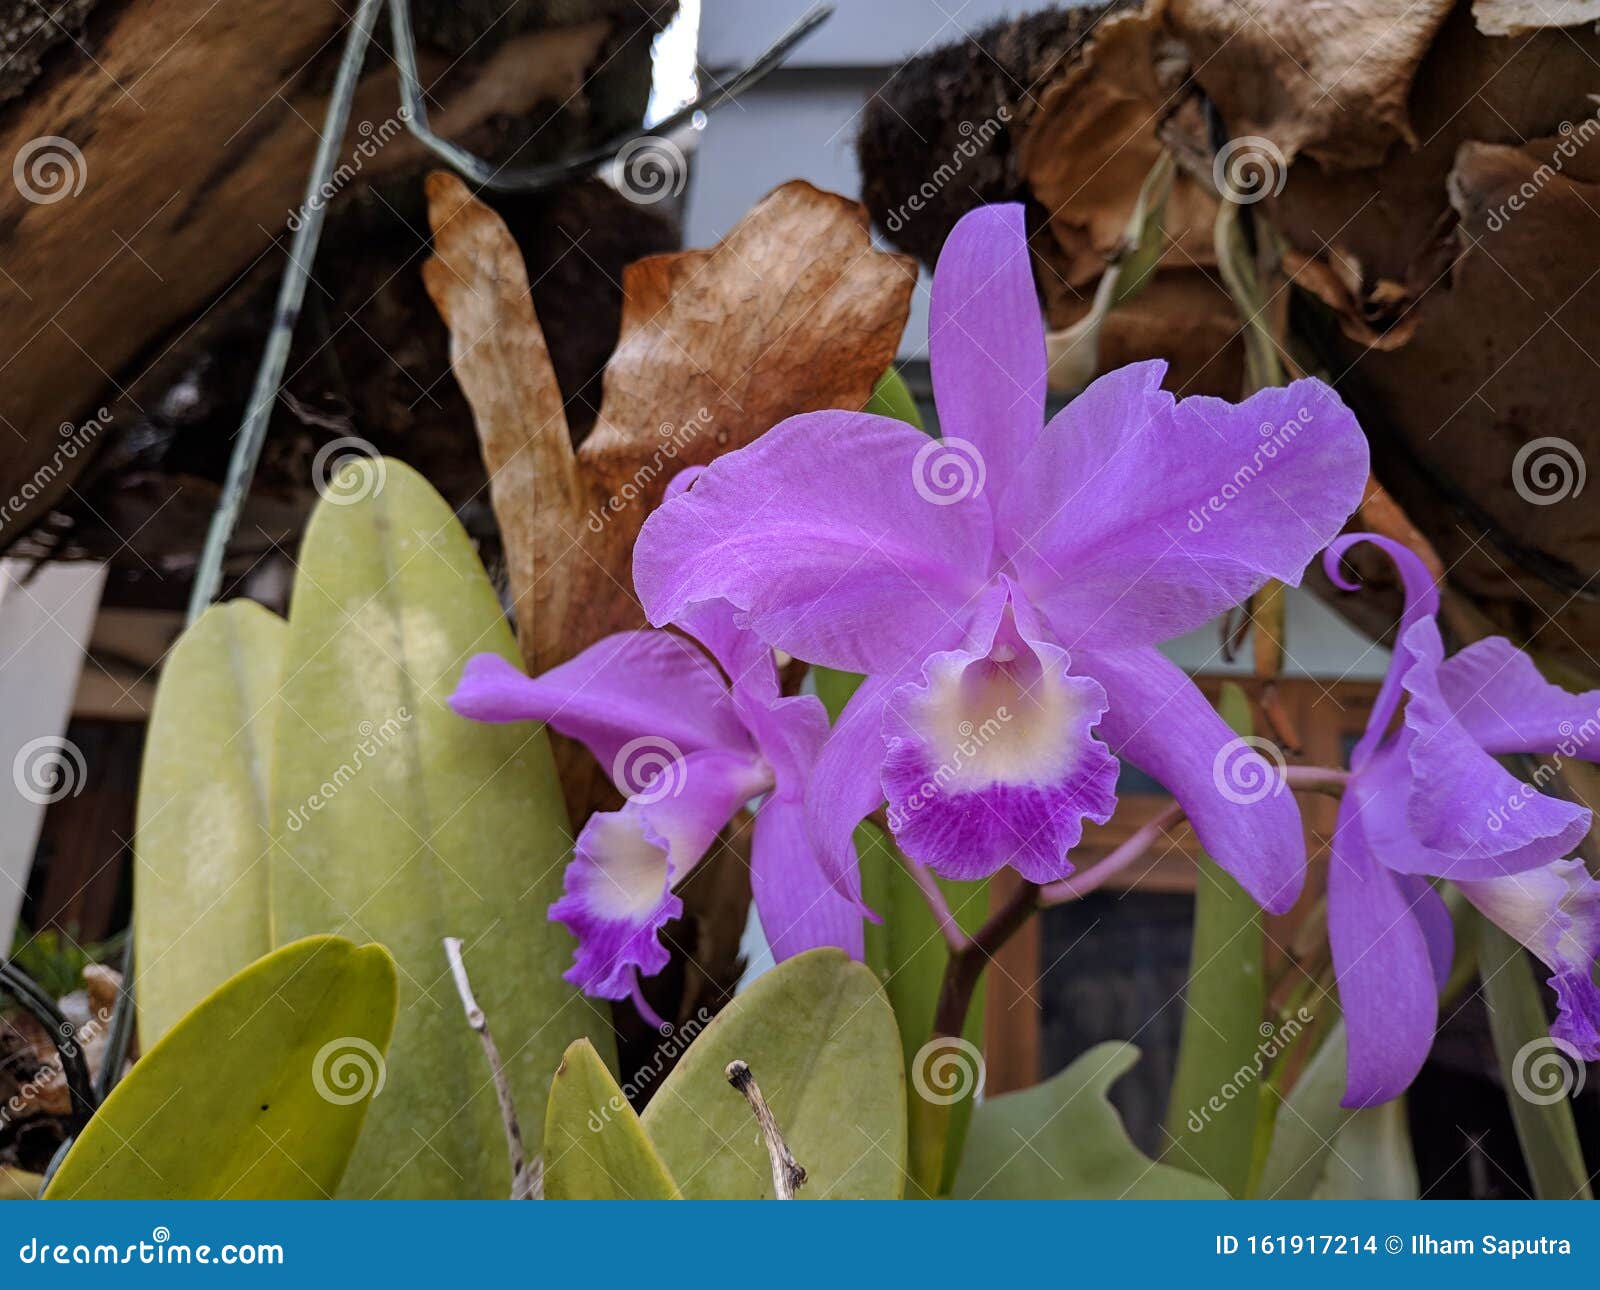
{"type": "Point", "coordinates": [787, 1175]}
{"type": "Point", "coordinates": [526, 1183]}
{"type": "Point", "coordinates": [966, 966]}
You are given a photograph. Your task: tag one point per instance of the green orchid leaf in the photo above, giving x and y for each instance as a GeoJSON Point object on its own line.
{"type": "Point", "coordinates": [891, 397]}
{"type": "Point", "coordinates": [396, 819]}
{"type": "Point", "coordinates": [258, 1093]}
{"type": "Point", "coordinates": [1063, 1140]}
{"type": "Point", "coordinates": [1372, 1159]}
{"type": "Point", "coordinates": [202, 837]}
{"type": "Point", "coordinates": [1213, 1109]}
{"type": "Point", "coordinates": [908, 952]}
{"type": "Point", "coordinates": [820, 1039]}
{"type": "Point", "coordinates": [594, 1146]}
{"type": "Point", "coordinates": [1535, 1072]}
{"type": "Point", "coordinates": [1307, 1124]}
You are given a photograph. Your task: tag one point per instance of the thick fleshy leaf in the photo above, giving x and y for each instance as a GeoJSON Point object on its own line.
{"type": "Point", "coordinates": [1372, 1158]}
{"type": "Point", "coordinates": [259, 1093]}
{"type": "Point", "coordinates": [820, 1039]}
{"type": "Point", "coordinates": [1223, 1004]}
{"type": "Point", "coordinates": [1498, 696]}
{"type": "Point", "coordinates": [416, 824]}
{"type": "Point", "coordinates": [1308, 1124]}
{"type": "Point", "coordinates": [1137, 518]}
{"type": "Point", "coordinates": [1387, 985]}
{"type": "Point", "coordinates": [1063, 1140]}
{"type": "Point", "coordinates": [1532, 1069]}
{"type": "Point", "coordinates": [594, 1146]}
{"type": "Point", "coordinates": [986, 341]}
{"type": "Point", "coordinates": [908, 952]}
{"type": "Point", "coordinates": [201, 908]}
{"type": "Point", "coordinates": [833, 533]}
{"type": "Point", "coordinates": [19, 1184]}
{"type": "Point", "coordinates": [636, 700]}
{"type": "Point", "coordinates": [1237, 802]}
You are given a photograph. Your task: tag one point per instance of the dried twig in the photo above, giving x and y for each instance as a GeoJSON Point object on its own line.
{"type": "Point", "coordinates": [527, 1181]}
{"type": "Point", "coordinates": [787, 1174]}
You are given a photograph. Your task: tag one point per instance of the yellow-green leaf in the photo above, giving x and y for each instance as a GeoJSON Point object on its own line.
{"type": "Point", "coordinates": [19, 1184]}
{"type": "Point", "coordinates": [821, 1041]}
{"type": "Point", "coordinates": [200, 909]}
{"type": "Point", "coordinates": [594, 1147]}
{"type": "Point", "coordinates": [259, 1093]}
{"type": "Point", "coordinates": [398, 820]}
{"type": "Point", "coordinates": [1063, 1140]}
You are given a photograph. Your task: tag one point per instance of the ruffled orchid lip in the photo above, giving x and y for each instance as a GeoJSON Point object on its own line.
{"type": "Point", "coordinates": [990, 758]}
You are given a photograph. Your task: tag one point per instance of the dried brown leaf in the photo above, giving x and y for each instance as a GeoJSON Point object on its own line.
{"type": "Point", "coordinates": [1329, 80]}
{"type": "Point", "coordinates": [1519, 17]}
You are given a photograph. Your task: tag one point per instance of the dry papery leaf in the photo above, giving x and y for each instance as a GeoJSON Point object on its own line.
{"type": "Point", "coordinates": [1519, 17]}
{"type": "Point", "coordinates": [1094, 138]}
{"type": "Point", "coordinates": [793, 311]}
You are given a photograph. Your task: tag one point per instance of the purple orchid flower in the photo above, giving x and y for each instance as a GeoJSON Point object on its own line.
{"type": "Point", "coordinates": [689, 745]}
{"type": "Point", "coordinates": [1426, 797]}
{"type": "Point", "coordinates": [1004, 587]}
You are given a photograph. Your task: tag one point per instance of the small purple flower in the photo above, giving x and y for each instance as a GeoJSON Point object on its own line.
{"type": "Point", "coordinates": [1426, 798]}
{"type": "Point", "coordinates": [689, 745]}
{"type": "Point", "coordinates": [1004, 587]}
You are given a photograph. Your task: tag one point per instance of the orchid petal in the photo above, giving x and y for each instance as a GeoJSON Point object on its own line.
{"type": "Point", "coordinates": [1137, 518]}
{"type": "Point", "coordinates": [824, 534]}
{"type": "Point", "coordinates": [1482, 821]}
{"type": "Point", "coordinates": [636, 700]}
{"type": "Point", "coordinates": [1243, 814]}
{"type": "Point", "coordinates": [798, 907]}
{"type": "Point", "coordinates": [625, 864]}
{"type": "Point", "coordinates": [1421, 601]}
{"type": "Point", "coordinates": [847, 784]}
{"type": "Point", "coordinates": [1433, 916]}
{"type": "Point", "coordinates": [1388, 987]}
{"type": "Point", "coordinates": [986, 341]}
{"type": "Point", "coordinates": [991, 760]}
{"type": "Point", "coordinates": [1503, 702]}
{"type": "Point", "coordinates": [1555, 912]}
